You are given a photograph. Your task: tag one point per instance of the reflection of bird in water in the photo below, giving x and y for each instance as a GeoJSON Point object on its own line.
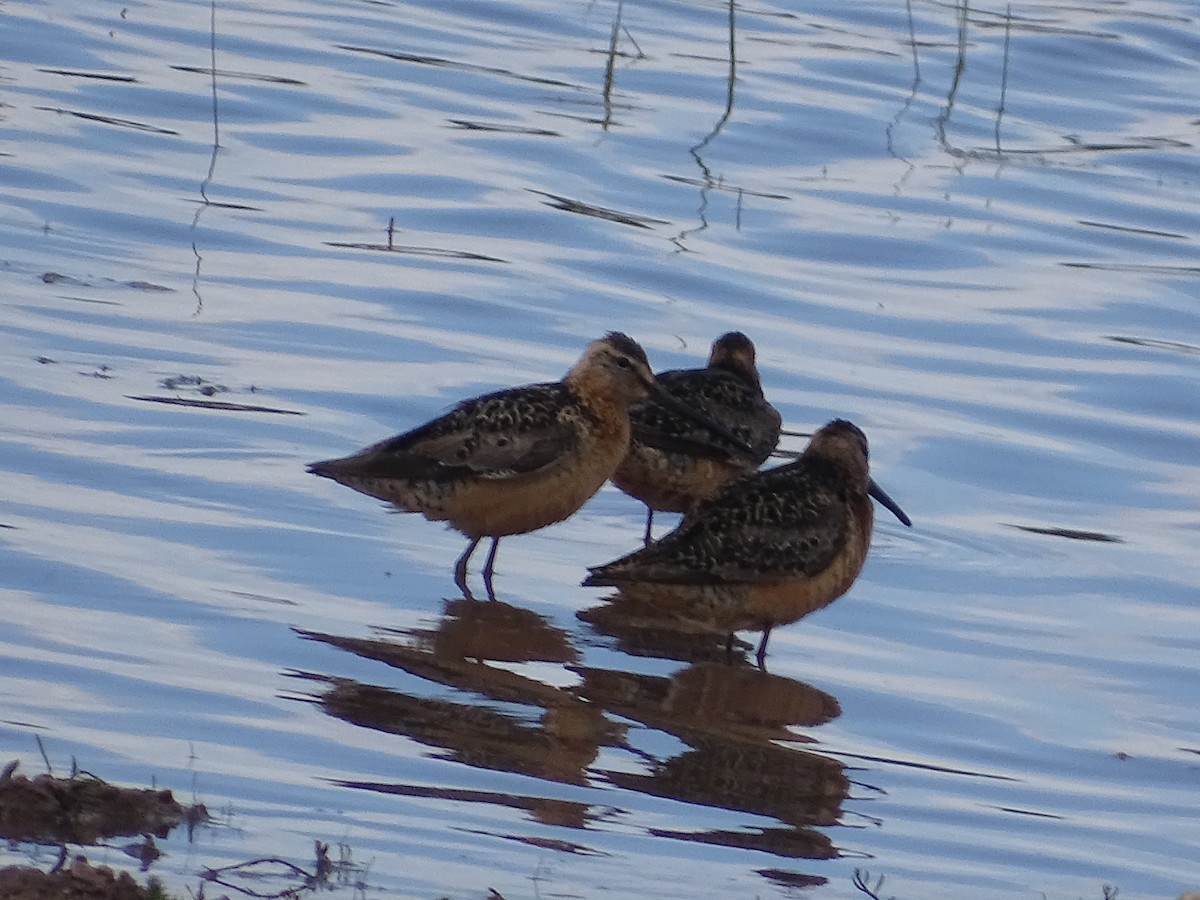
{"type": "Point", "coordinates": [640, 629]}
{"type": "Point", "coordinates": [556, 737]}
{"type": "Point", "coordinates": [557, 746]}
{"type": "Point", "coordinates": [767, 549]}
{"type": "Point", "coordinates": [493, 631]}
{"type": "Point", "coordinates": [731, 718]}
{"type": "Point", "coordinates": [800, 788]}
{"type": "Point", "coordinates": [515, 460]}
{"type": "Point", "coordinates": [714, 698]}
{"type": "Point", "coordinates": [673, 462]}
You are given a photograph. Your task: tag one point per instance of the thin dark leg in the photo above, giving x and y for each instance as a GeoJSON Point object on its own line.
{"type": "Point", "coordinates": [489, 567]}
{"type": "Point", "coordinates": [761, 655]}
{"type": "Point", "coordinates": [729, 646]}
{"type": "Point", "coordinates": [649, 525]}
{"type": "Point", "coordinates": [460, 569]}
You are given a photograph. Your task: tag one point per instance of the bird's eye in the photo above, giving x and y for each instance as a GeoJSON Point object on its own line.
{"type": "Point", "coordinates": [624, 363]}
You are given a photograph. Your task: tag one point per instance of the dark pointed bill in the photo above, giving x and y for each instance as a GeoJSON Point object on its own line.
{"type": "Point", "coordinates": [881, 495]}
{"type": "Point", "coordinates": [663, 398]}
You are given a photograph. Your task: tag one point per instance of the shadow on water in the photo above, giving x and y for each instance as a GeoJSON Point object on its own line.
{"type": "Point", "coordinates": [729, 717]}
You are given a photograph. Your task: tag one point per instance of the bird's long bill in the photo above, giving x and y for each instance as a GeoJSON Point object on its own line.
{"type": "Point", "coordinates": [662, 397]}
{"type": "Point", "coordinates": [887, 502]}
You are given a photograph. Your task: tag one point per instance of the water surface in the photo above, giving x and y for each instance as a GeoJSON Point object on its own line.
{"type": "Point", "coordinates": [970, 229]}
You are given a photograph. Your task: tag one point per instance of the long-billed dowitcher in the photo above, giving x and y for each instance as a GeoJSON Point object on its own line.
{"type": "Point", "coordinates": [515, 460]}
{"type": "Point", "coordinates": [765, 550]}
{"type": "Point", "coordinates": [673, 462]}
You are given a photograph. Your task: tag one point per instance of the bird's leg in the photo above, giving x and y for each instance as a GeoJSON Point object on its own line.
{"type": "Point", "coordinates": [729, 646]}
{"type": "Point", "coordinates": [649, 525]}
{"type": "Point", "coordinates": [489, 567]}
{"type": "Point", "coordinates": [460, 569]}
{"type": "Point", "coordinates": [761, 655]}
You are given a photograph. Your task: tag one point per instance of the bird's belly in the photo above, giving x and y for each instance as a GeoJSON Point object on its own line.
{"type": "Point", "coordinates": [754, 605]}
{"type": "Point", "coordinates": [672, 482]}
{"type": "Point", "coordinates": [480, 507]}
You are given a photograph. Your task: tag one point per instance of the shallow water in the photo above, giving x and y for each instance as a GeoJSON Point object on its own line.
{"type": "Point", "coordinates": [969, 229]}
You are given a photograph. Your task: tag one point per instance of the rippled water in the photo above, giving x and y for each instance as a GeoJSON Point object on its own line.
{"type": "Point", "coordinates": [972, 230]}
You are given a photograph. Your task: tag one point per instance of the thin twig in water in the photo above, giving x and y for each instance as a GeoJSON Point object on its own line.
{"type": "Point", "coordinates": [216, 146]}
{"type": "Point", "coordinates": [610, 66]}
{"type": "Point", "coordinates": [942, 120]}
{"type": "Point", "coordinates": [636, 46]}
{"type": "Point", "coordinates": [1004, 75]}
{"type": "Point", "coordinates": [45, 757]}
{"type": "Point", "coordinates": [862, 881]}
{"type": "Point", "coordinates": [912, 37]}
{"type": "Point", "coordinates": [707, 180]}
{"type": "Point", "coordinates": [310, 879]}
{"type": "Point", "coordinates": [912, 94]}
{"type": "Point", "coordinates": [212, 62]}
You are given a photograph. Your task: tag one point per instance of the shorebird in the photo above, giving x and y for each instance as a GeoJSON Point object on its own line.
{"type": "Point", "coordinates": [516, 460]}
{"type": "Point", "coordinates": [765, 550]}
{"type": "Point", "coordinates": [672, 461]}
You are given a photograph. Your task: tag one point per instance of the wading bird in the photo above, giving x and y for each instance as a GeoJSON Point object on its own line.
{"type": "Point", "coordinates": [516, 460]}
{"type": "Point", "coordinates": [673, 462]}
{"type": "Point", "coordinates": [765, 550]}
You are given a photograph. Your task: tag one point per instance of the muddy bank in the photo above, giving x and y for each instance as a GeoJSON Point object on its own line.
{"type": "Point", "coordinates": [78, 881]}
{"type": "Point", "coordinates": [84, 809]}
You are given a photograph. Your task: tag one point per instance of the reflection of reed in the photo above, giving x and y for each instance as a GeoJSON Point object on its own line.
{"type": "Point", "coordinates": [1004, 74]}
{"type": "Point", "coordinates": [708, 182]}
{"type": "Point", "coordinates": [965, 17]}
{"type": "Point", "coordinates": [912, 94]}
{"type": "Point", "coordinates": [212, 161]}
{"type": "Point", "coordinates": [610, 63]}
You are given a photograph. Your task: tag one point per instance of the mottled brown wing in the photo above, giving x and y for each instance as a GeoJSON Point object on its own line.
{"type": "Point", "coordinates": [721, 396]}
{"type": "Point", "coordinates": [789, 521]}
{"type": "Point", "coordinates": [500, 435]}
